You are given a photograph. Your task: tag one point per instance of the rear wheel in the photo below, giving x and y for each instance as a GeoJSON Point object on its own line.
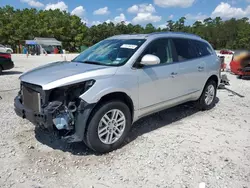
{"type": "Point", "coordinates": [108, 127]}
{"type": "Point", "coordinates": [1, 70]}
{"type": "Point", "coordinates": [208, 96]}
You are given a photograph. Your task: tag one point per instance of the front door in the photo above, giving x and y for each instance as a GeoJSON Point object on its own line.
{"type": "Point", "coordinates": [158, 83]}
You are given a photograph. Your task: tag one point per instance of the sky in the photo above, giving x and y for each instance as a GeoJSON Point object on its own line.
{"type": "Point", "coordinates": [157, 12]}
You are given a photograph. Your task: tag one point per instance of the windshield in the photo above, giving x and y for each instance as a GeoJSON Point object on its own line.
{"type": "Point", "coordinates": [110, 52]}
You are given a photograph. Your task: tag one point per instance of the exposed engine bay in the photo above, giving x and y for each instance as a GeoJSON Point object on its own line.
{"type": "Point", "coordinates": [57, 109]}
{"type": "Point", "coordinates": [62, 116]}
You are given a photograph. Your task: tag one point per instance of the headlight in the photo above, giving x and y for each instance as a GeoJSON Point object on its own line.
{"type": "Point", "coordinates": [71, 91]}
{"type": "Point", "coordinates": [89, 84]}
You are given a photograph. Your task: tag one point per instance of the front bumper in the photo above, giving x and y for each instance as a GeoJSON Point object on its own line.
{"type": "Point", "coordinates": [38, 119]}
{"type": "Point", "coordinates": [23, 112]}
{"type": "Point", "coordinates": [44, 119]}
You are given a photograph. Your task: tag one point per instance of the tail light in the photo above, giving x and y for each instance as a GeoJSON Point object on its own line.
{"type": "Point", "coordinates": [7, 56]}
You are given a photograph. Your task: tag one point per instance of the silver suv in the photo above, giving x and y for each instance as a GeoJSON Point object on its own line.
{"type": "Point", "coordinates": [97, 96]}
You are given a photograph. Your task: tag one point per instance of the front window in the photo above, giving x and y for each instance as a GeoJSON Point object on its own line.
{"type": "Point", "coordinates": [110, 52]}
{"type": "Point", "coordinates": [161, 48]}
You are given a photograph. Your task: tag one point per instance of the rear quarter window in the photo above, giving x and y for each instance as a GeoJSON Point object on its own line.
{"type": "Point", "coordinates": [202, 48]}
{"type": "Point", "coordinates": [185, 49]}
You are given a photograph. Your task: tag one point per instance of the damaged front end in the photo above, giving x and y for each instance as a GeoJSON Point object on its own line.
{"type": "Point", "coordinates": [59, 109]}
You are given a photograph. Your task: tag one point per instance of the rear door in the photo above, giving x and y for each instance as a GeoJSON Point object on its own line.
{"type": "Point", "coordinates": [192, 67]}
{"type": "Point", "coordinates": [205, 61]}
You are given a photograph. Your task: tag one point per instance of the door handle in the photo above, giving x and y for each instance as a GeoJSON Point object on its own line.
{"type": "Point", "coordinates": [200, 68]}
{"type": "Point", "coordinates": [174, 74]}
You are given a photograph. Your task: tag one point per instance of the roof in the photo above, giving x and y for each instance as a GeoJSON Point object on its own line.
{"type": "Point", "coordinates": [155, 35]}
{"type": "Point", "coordinates": [129, 36]}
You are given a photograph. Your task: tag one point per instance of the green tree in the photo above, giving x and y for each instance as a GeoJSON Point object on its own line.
{"type": "Point", "coordinates": [18, 25]}
{"type": "Point", "coordinates": [170, 25]}
{"type": "Point", "coordinates": [149, 28]}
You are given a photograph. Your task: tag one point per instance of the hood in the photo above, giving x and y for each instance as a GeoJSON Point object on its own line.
{"type": "Point", "coordinates": [65, 73]}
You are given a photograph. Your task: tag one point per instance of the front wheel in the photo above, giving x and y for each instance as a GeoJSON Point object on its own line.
{"type": "Point", "coordinates": [208, 96]}
{"type": "Point", "coordinates": [108, 126]}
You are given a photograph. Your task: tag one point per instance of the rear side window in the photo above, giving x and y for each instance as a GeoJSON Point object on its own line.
{"type": "Point", "coordinates": [202, 48]}
{"type": "Point", "coordinates": [185, 49]}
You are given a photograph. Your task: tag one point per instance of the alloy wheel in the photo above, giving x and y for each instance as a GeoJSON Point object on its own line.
{"type": "Point", "coordinates": [111, 126]}
{"type": "Point", "coordinates": [209, 94]}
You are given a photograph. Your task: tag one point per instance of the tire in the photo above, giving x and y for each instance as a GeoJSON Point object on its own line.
{"type": "Point", "coordinates": [1, 70]}
{"type": "Point", "coordinates": [202, 103]}
{"type": "Point", "coordinates": [239, 76]}
{"type": "Point", "coordinates": [95, 127]}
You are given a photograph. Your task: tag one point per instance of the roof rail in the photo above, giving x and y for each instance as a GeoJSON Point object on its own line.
{"type": "Point", "coordinates": [171, 32]}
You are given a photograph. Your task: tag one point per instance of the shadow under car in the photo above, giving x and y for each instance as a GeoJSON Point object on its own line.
{"type": "Point", "coordinates": [142, 126]}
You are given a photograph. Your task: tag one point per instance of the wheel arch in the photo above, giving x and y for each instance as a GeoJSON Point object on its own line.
{"type": "Point", "coordinates": [119, 95]}
{"type": "Point", "coordinates": [199, 102]}
{"type": "Point", "coordinates": [215, 78]}
{"type": "Point", "coordinates": [212, 77]}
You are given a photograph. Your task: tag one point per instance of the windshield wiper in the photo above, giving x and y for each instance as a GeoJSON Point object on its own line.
{"type": "Point", "coordinates": [88, 62]}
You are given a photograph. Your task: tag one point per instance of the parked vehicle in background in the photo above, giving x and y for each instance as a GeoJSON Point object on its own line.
{"type": "Point", "coordinates": [5, 49]}
{"type": "Point", "coordinates": [6, 62]}
{"type": "Point", "coordinates": [97, 96]}
{"type": "Point", "coordinates": [240, 64]}
{"type": "Point", "coordinates": [226, 51]}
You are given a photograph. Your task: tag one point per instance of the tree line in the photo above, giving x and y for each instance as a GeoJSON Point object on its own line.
{"type": "Point", "coordinates": [18, 25]}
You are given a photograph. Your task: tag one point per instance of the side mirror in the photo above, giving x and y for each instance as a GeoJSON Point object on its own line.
{"type": "Point", "coordinates": [149, 59]}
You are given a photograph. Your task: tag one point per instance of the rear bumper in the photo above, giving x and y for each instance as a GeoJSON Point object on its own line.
{"type": "Point", "coordinates": [246, 69]}
{"type": "Point", "coordinates": [237, 69]}
{"type": "Point", "coordinates": [7, 65]}
{"type": "Point", "coordinates": [242, 72]}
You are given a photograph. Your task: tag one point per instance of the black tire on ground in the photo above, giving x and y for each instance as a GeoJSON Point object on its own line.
{"type": "Point", "coordinates": [92, 140]}
{"type": "Point", "coordinates": [1, 70]}
{"type": "Point", "coordinates": [239, 76]}
{"type": "Point", "coordinates": [201, 104]}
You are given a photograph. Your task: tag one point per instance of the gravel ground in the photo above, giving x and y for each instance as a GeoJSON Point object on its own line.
{"type": "Point", "coordinates": [179, 147]}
